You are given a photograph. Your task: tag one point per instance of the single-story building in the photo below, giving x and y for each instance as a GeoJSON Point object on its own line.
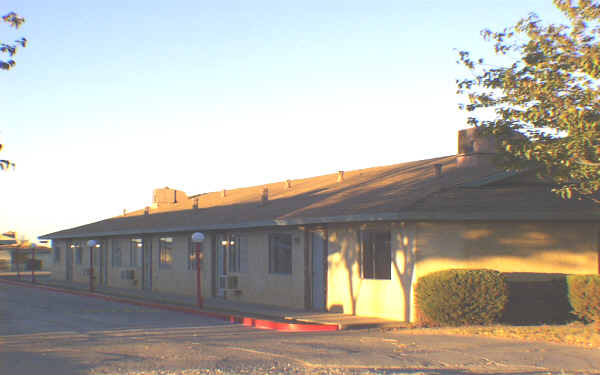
{"type": "Point", "coordinates": [351, 241]}
{"type": "Point", "coordinates": [22, 255]}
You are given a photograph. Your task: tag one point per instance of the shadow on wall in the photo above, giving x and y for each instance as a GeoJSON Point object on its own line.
{"type": "Point", "coordinates": [345, 256]}
{"type": "Point", "coordinates": [537, 298]}
{"type": "Point", "coordinates": [548, 247]}
{"type": "Point", "coordinates": [348, 257]}
{"type": "Point", "coordinates": [404, 268]}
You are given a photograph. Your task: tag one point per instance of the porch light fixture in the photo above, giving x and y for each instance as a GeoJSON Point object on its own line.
{"type": "Point", "coordinates": [224, 242]}
{"type": "Point", "coordinates": [92, 244]}
{"type": "Point", "coordinates": [197, 239]}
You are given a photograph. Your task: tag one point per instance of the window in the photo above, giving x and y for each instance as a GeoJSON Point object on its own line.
{"type": "Point", "coordinates": [78, 252]}
{"type": "Point", "coordinates": [56, 254]}
{"type": "Point", "coordinates": [165, 252]}
{"type": "Point", "coordinates": [280, 253]}
{"type": "Point", "coordinates": [135, 251]}
{"type": "Point", "coordinates": [234, 254]}
{"type": "Point", "coordinates": [191, 260]}
{"type": "Point", "coordinates": [376, 255]}
{"type": "Point", "coordinates": [116, 258]}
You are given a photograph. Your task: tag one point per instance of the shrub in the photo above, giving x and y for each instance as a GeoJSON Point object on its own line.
{"type": "Point", "coordinates": [536, 298]}
{"type": "Point", "coordinates": [459, 297]}
{"type": "Point", "coordinates": [584, 296]}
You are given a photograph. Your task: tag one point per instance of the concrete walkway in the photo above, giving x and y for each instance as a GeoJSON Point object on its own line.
{"type": "Point", "coordinates": [224, 306]}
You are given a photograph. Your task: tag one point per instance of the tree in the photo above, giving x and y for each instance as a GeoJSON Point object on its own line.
{"type": "Point", "coordinates": [15, 21]}
{"type": "Point", "coordinates": [10, 49]}
{"type": "Point", "coordinates": [550, 94]}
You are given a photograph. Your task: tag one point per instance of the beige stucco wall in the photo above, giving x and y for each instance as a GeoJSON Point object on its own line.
{"type": "Point", "coordinates": [349, 292]}
{"type": "Point", "coordinates": [177, 278]}
{"type": "Point", "coordinates": [542, 247]}
{"type": "Point", "coordinates": [257, 285]}
{"type": "Point", "coordinates": [114, 273]}
{"type": "Point", "coordinates": [550, 247]}
{"type": "Point", "coordinates": [58, 269]}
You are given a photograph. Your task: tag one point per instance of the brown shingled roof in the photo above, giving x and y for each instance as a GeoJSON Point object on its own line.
{"type": "Point", "coordinates": [406, 191]}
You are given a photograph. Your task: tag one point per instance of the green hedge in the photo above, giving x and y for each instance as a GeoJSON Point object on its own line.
{"type": "Point", "coordinates": [536, 298]}
{"type": "Point", "coordinates": [460, 297]}
{"type": "Point", "coordinates": [584, 296]}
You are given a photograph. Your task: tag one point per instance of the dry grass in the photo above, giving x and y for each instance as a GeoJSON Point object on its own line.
{"type": "Point", "coordinates": [576, 333]}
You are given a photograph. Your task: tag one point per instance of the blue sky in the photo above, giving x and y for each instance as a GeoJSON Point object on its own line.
{"type": "Point", "coordinates": [112, 99]}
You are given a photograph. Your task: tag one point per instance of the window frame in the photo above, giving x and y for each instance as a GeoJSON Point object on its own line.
{"type": "Point", "coordinates": [376, 258]}
{"type": "Point", "coordinates": [78, 256]}
{"type": "Point", "coordinates": [165, 252]}
{"type": "Point", "coordinates": [191, 258]}
{"type": "Point", "coordinates": [135, 246]}
{"type": "Point", "coordinates": [116, 253]}
{"type": "Point", "coordinates": [57, 255]}
{"type": "Point", "coordinates": [278, 255]}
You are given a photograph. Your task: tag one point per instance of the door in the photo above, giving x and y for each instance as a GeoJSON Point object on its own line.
{"type": "Point", "coordinates": [221, 265]}
{"type": "Point", "coordinates": [101, 260]}
{"type": "Point", "coordinates": [318, 246]}
{"type": "Point", "coordinates": [69, 262]}
{"type": "Point", "coordinates": [147, 264]}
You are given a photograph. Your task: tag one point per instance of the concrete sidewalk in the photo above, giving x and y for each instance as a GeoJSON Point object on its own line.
{"type": "Point", "coordinates": [225, 307]}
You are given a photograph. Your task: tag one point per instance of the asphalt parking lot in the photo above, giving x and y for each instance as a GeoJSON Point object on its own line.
{"type": "Point", "coordinates": [50, 333]}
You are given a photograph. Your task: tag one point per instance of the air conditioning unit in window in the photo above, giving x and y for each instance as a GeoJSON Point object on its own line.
{"type": "Point", "coordinates": [128, 274]}
{"type": "Point", "coordinates": [231, 282]}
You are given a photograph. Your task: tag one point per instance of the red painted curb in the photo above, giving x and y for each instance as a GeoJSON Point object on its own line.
{"type": "Point", "coordinates": [244, 320]}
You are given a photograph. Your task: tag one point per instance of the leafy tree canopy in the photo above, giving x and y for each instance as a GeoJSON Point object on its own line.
{"type": "Point", "coordinates": [550, 93]}
{"type": "Point", "coordinates": [10, 49]}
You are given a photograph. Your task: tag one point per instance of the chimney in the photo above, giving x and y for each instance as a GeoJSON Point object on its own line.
{"type": "Point", "coordinates": [167, 197]}
{"type": "Point", "coordinates": [476, 149]}
{"type": "Point", "coordinates": [438, 170]}
{"type": "Point", "coordinates": [340, 176]}
{"type": "Point", "coordinates": [287, 184]}
{"type": "Point", "coordinates": [265, 195]}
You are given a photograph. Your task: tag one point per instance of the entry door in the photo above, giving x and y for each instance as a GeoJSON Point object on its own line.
{"type": "Point", "coordinates": [147, 263]}
{"type": "Point", "coordinates": [69, 262]}
{"type": "Point", "coordinates": [221, 265]}
{"type": "Point", "coordinates": [318, 269]}
{"type": "Point", "coordinates": [101, 257]}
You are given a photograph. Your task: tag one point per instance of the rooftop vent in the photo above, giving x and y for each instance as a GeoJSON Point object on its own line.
{"type": "Point", "coordinates": [287, 184]}
{"type": "Point", "coordinates": [223, 193]}
{"type": "Point", "coordinates": [264, 198]}
{"type": "Point", "coordinates": [147, 210]}
{"type": "Point", "coordinates": [195, 203]}
{"type": "Point", "coordinates": [340, 176]}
